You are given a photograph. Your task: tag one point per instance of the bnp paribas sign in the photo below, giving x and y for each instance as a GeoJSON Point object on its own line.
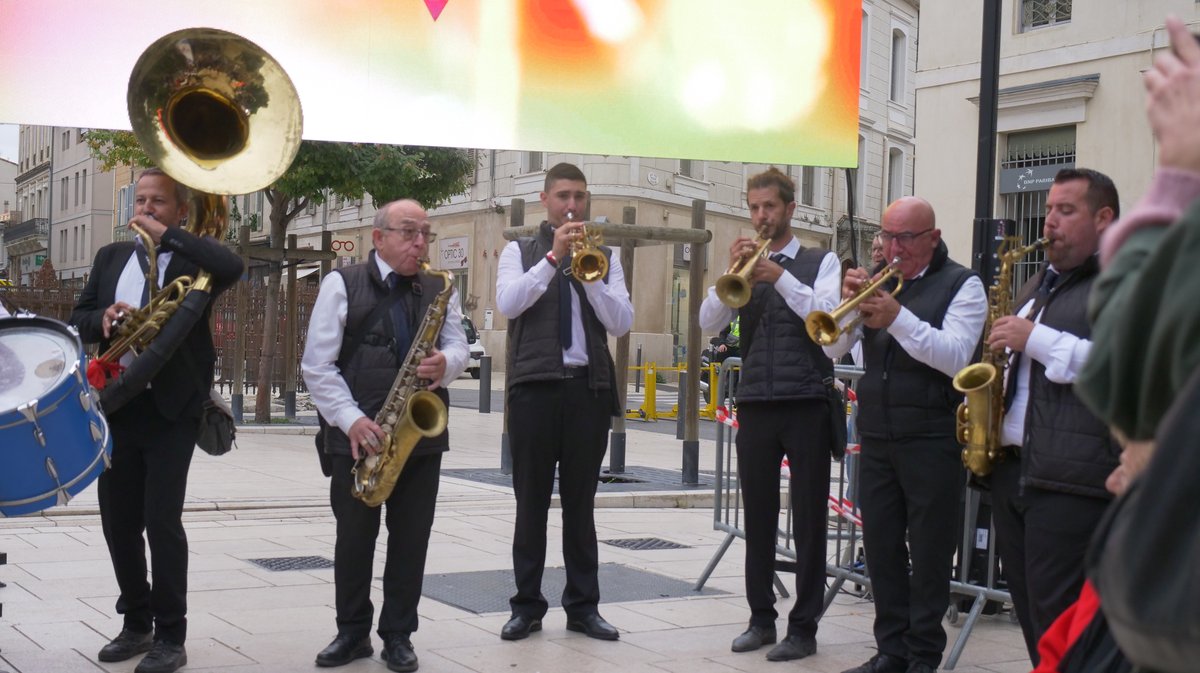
{"type": "Point", "coordinates": [1030, 179]}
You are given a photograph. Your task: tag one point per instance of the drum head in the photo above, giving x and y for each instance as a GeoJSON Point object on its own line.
{"type": "Point", "coordinates": [36, 356]}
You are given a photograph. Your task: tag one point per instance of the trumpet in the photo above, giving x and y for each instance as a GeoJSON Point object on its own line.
{"type": "Point", "coordinates": [588, 262]}
{"type": "Point", "coordinates": [733, 288]}
{"type": "Point", "coordinates": [825, 328]}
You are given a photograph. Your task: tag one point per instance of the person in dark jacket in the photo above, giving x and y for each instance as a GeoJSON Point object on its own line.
{"type": "Point", "coordinates": [349, 386]}
{"type": "Point", "coordinates": [561, 400]}
{"type": "Point", "coordinates": [1048, 490]}
{"type": "Point", "coordinates": [783, 410]}
{"type": "Point", "coordinates": [155, 433]}
{"type": "Point", "coordinates": [911, 476]}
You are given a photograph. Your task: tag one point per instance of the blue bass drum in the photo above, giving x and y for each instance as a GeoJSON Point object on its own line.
{"type": "Point", "coordinates": [54, 441]}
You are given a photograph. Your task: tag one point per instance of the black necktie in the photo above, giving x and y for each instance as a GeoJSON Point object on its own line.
{"type": "Point", "coordinates": [565, 286]}
{"type": "Point", "coordinates": [779, 258]}
{"type": "Point", "coordinates": [1039, 302]}
{"type": "Point", "coordinates": [399, 312]}
{"type": "Point", "coordinates": [144, 262]}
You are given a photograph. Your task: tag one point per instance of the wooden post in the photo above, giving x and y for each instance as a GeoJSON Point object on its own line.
{"type": "Point", "coordinates": [691, 431]}
{"type": "Point", "coordinates": [237, 397]}
{"type": "Point", "coordinates": [326, 244]}
{"type": "Point", "coordinates": [616, 443]}
{"type": "Point", "coordinates": [516, 218]}
{"type": "Point", "coordinates": [291, 335]}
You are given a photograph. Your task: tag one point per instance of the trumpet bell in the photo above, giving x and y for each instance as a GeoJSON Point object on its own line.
{"type": "Point", "coordinates": [733, 290]}
{"type": "Point", "coordinates": [822, 328]}
{"type": "Point", "coordinates": [214, 111]}
{"type": "Point", "coordinates": [589, 266]}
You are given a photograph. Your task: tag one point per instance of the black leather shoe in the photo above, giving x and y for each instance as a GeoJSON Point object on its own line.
{"type": "Point", "coordinates": [881, 663]}
{"type": "Point", "coordinates": [754, 638]}
{"type": "Point", "coordinates": [164, 657]}
{"type": "Point", "coordinates": [345, 649]}
{"type": "Point", "coordinates": [792, 647]}
{"type": "Point", "coordinates": [520, 627]}
{"type": "Point", "coordinates": [126, 645]}
{"type": "Point", "coordinates": [594, 626]}
{"type": "Point", "coordinates": [399, 655]}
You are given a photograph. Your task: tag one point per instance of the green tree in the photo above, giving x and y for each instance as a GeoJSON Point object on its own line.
{"type": "Point", "coordinates": [322, 169]}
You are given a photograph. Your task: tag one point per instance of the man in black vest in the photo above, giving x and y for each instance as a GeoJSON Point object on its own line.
{"type": "Point", "coordinates": [911, 476]}
{"type": "Point", "coordinates": [1048, 493]}
{"type": "Point", "coordinates": [561, 399]}
{"type": "Point", "coordinates": [353, 353]}
{"type": "Point", "coordinates": [783, 410]}
{"type": "Point", "coordinates": [155, 433]}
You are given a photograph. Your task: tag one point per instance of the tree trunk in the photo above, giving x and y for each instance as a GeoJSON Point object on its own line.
{"type": "Point", "coordinates": [262, 398]}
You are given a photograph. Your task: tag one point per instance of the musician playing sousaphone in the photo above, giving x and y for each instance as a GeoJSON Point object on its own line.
{"type": "Point", "coordinates": [783, 406]}
{"type": "Point", "coordinates": [155, 432]}
{"type": "Point", "coordinates": [911, 475]}
{"type": "Point", "coordinates": [363, 325]}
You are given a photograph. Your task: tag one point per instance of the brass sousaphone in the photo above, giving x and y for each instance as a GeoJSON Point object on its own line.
{"type": "Point", "coordinates": [216, 113]}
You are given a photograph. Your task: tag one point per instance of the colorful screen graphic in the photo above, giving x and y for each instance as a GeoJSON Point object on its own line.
{"type": "Point", "coordinates": [772, 81]}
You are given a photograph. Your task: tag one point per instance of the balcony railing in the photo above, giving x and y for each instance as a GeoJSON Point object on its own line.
{"type": "Point", "coordinates": [38, 227]}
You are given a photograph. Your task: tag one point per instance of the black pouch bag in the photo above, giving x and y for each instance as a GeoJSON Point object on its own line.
{"type": "Point", "coordinates": [217, 430]}
{"type": "Point", "coordinates": [837, 418]}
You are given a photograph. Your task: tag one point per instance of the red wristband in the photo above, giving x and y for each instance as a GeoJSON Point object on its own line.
{"type": "Point", "coordinates": [552, 259]}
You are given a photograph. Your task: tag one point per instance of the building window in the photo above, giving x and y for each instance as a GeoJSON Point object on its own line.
{"type": "Point", "coordinates": [859, 173]}
{"type": "Point", "coordinates": [1041, 13]}
{"type": "Point", "coordinates": [74, 242]}
{"type": "Point", "coordinates": [899, 62]}
{"type": "Point", "coordinates": [864, 48]}
{"type": "Point", "coordinates": [77, 188]}
{"type": "Point", "coordinates": [64, 183]}
{"type": "Point", "coordinates": [687, 168]}
{"type": "Point", "coordinates": [83, 187]}
{"type": "Point", "coordinates": [66, 139]}
{"type": "Point", "coordinates": [535, 162]}
{"type": "Point", "coordinates": [62, 246]}
{"type": "Point", "coordinates": [895, 174]}
{"type": "Point", "coordinates": [83, 243]}
{"type": "Point", "coordinates": [808, 187]}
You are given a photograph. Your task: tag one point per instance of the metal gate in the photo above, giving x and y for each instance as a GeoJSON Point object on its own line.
{"type": "Point", "coordinates": [1028, 207]}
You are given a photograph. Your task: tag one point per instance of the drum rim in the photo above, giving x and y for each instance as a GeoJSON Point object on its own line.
{"type": "Point", "coordinates": [45, 411]}
{"type": "Point", "coordinates": [56, 326]}
{"type": "Point", "coordinates": [65, 487]}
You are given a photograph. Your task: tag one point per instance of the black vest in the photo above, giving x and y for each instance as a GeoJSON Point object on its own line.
{"type": "Point", "coordinates": [779, 360]}
{"type": "Point", "coordinates": [1066, 447]}
{"type": "Point", "coordinates": [372, 369]}
{"type": "Point", "coordinates": [899, 396]}
{"type": "Point", "coordinates": [534, 352]}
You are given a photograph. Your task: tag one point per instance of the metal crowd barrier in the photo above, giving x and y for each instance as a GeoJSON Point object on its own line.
{"type": "Point", "coordinates": [845, 531]}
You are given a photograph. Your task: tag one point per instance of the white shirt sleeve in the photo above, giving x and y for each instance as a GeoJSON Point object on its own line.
{"type": "Point", "coordinates": [452, 341]}
{"type": "Point", "coordinates": [1062, 353]}
{"type": "Point", "coordinates": [950, 348]}
{"type": "Point", "coordinates": [610, 300]}
{"type": "Point", "coordinates": [326, 328]}
{"type": "Point", "coordinates": [824, 295]}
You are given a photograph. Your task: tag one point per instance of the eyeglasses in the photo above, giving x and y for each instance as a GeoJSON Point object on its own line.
{"type": "Point", "coordinates": [410, 233]}
{"type": "Point", "coordinates": [904, 239]}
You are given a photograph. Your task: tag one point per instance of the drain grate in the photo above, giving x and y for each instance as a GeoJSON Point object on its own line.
{"type": "Point", "coordinates": [281, 563]}
{"type": "Point", "coordinates": [645, 543]}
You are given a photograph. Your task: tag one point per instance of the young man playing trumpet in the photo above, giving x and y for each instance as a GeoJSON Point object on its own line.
{"type": "Point", "coordinates": [561, 400]}
{"type": "Point", "coordinates": [783, 410]}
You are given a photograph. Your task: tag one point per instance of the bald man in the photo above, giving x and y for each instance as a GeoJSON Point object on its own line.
{"type": "Point", "coordinates": [911, 476]}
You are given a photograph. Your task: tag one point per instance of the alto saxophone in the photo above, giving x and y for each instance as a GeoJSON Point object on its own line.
{"type": "Point", "coordinates": [980, 416]}
{"type": "Point", "coordinates": [410, 412]}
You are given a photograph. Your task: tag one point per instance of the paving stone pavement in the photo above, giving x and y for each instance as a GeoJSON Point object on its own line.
{"type": "Point", "coordinates": [268, 499]}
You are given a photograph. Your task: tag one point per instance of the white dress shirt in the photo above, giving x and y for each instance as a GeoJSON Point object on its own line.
{"type": "Point", "coordinates": [1062, 353]}
{"type": "Point", "coordinates": [802, 299]}
{"type": "Point", "coordinates": [517, 290]}
{"type": "Point", "coordinates": [326, 329]}
{"type": "Point", "coordinates": [948, 349]}
{"type": "Point", "coordinates": [133, 280]}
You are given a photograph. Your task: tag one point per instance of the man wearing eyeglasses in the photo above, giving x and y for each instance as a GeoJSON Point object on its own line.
{"type": "Point", "coordinates": [911, 475]}
{"type": "Point", "coordinates": [363, 322]}
{"type": "Point", "coordinates": [561, 400]}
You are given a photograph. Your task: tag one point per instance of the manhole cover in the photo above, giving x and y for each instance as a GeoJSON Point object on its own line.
{"type": "Point", "coordinates": [645, 543]}
{"type": "Point", "coordinates": [292, 563]}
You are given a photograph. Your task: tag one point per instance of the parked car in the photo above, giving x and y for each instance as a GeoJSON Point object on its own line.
{"type": "Point", "coordinates": [475, 346]}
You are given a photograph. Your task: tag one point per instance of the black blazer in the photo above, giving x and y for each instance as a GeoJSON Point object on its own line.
{"type": "Point", "coordinates": [182, 385]}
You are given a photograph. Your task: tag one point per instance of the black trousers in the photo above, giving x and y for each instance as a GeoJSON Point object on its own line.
{"type": "Point", "coordinates": [1042, 537]}
{"type": "Point", "coordinates": [910, 489]}
{"type": "Point", "coordinates": [563, 423]}
{"type": "Point", "coordinates": [409, 519]}
{"type": "Point", "coordinates": [767, 432]}
{"type": "Point", "coordinates": [143, 493]}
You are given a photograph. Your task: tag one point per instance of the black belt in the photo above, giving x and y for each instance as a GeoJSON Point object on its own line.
{"type": "Point", "coordinates": [1011, 450]}
{"type": "Point", "coordinates": [575, 372]}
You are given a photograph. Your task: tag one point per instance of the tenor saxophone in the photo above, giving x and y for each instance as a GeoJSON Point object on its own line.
{"type": "Point", "coordinates": [409, 412]}
{"type": "Point", "coordinates": [980, 416]}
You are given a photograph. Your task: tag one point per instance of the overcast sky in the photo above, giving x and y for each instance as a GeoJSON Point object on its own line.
{"type": "Point", "coordinates": [8, 142]}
